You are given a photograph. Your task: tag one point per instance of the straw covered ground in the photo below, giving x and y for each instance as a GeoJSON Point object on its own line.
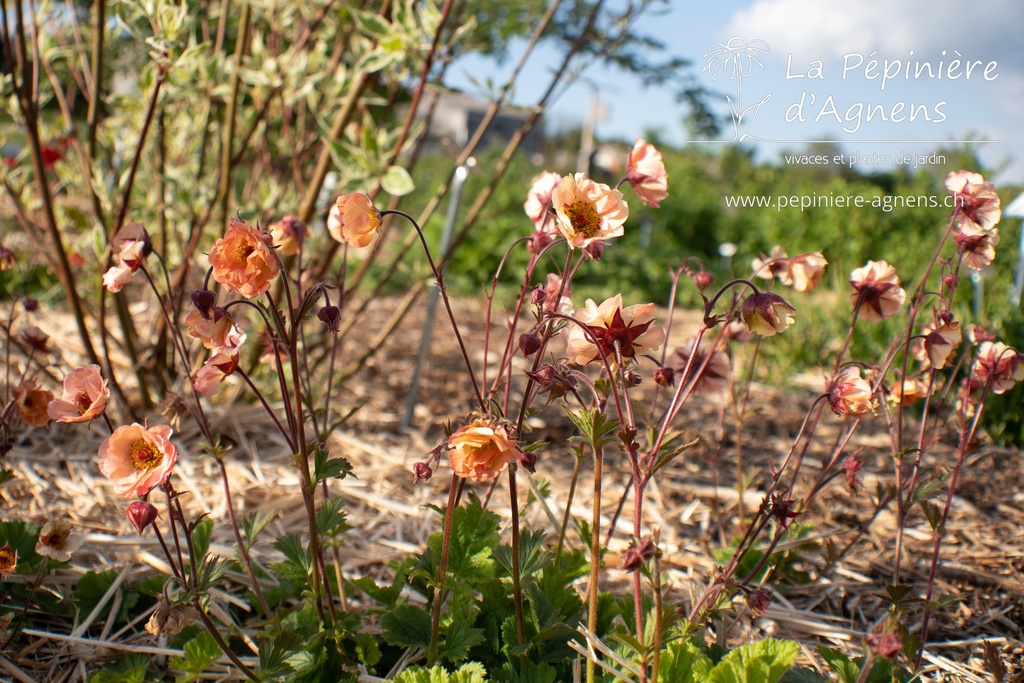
{"type": "Point", "coordinates": [694, 503]}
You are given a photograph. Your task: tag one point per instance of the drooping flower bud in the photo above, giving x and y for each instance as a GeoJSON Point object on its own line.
{"type": "Point", "coordinates": [703, 279]}
{"type": "Point", "coordinates": [538, 296]}
{"type": "Point", "coordinates": [204, 301]}
{"type": "Point", "coordinates": [330, 316]}
{"type": "Point", "coordinates": [140, 515]}
{"type": "Point", "coordinates": [528, 461]}
{"type": "Point", "coordinates": [638, 555]}
{"type": "Point", "coordinates": [421, 472]}
{"type": "Point", "coordinates": [529, 344]}
{"type": "Point", "coordinates": [665, 377]}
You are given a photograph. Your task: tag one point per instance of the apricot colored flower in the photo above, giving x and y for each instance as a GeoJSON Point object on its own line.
{"type": "Point", "coordinates": [804, 271]}
{"type": "Point", "coordinates": [216, 368]}
{"type": "Point", "coordinates": [612, 325]}
{"type": "Point", "coordinates": [538, 201]}
{"type": "Point", "coordinates": [588, 211]}
{"type": "Point", "coordinates": [939, 342]}
{"type": "Point", "coordinates": [354, 220]}
{"type": "Point", "coordinates": [287, 235]}
{"type": "Point", "coordinates": [85, 396]}
{"type": "Point", "coordinates": [766, 314]}
{"type": "Point", "coordinates": [135, 458]}
{"type": "Point", "coordinates": [31, 402]}
{"type": "Point", "coordinates": [909, 391]}
{"type": "Point", "coordinates": [218, 332]}
{"type": "Point", "coordinates": [848, 394]}
{"type": "Point", "coordinates": [58, 540]}
{"type": "Point", "coordinates": [8, 560]}
{"type": "Point", "coordinates": [977, 246]}
{"type": "Point", "coordinates": [480, 450]}
{"type": "Point", "coordinates": [131, 245]}
{"type": "Point", "coordinates": [877, 291]}
{"type": "Point", "coordinates": [975, 199]}
{"type": "Point", "coordinates": [243, 261]}
{"type": "Point", "coordinates": [771, 266]}
{"type": "Point", "coordinates": [998, 365]}
{"type": "Point", "coordinates": [715, 376]}
{"type": "Point", "coordinates": [645, 171]}
{"type": "Point", "coordinates": [552, 301]}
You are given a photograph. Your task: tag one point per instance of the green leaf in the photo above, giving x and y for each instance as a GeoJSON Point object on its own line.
{"type": "Point", "coordinates": [200, 653]}
{"type": "Point", "coordinates": [325, 467]}
{"type": "Point", "coordinates": [130, 669]}
{"type": "Point", "coordinates": [928, 490]}
{"type": "Point", "coordinates": [330, 518]}
{"type": "Point", "coordinates": [473, 672]}
{"type": "Point", "coordinates": [762, 662]}
{"type": "Point", "coordinates": [201, 531]}
{"type": "Point", "coordinates": [459, 639]}
{"type": "Point", "coordinates": [297, 566]}
{"type": "Point", "coordinates": [406, 626]}
{"type": "Point", "coordinates": [367, 650]}
{"type": "Point", "coordinates": [90, 590]}
{"type": "Point", "coordinates": [683, 662]}
{"type": "Point", "coordinates": [803, 676]}
{"type": "Point", "coordinates": [397, 182]}
{"type": "Point", "coordinates": [594, 426]}
{"type": "Point", "coordinates": [845, 669]}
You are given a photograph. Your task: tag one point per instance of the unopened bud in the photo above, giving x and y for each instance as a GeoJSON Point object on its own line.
{"type": "Point", "coordinates": [758, 601]}
{"type": "Point", "coordinates": [330, 316]}
{"type": "Point", "coordinates": [528, 461]}
{"type": "Point", "coordinates": [421, 472]}
{"type": "Point", "coordinates": [529, 344]}
{"type": "Point", "coordinates": [665, 377]}
{"type": "Point", "coordinates": [140, 515]}
{"type": "Point", "coordinates": [544, 376]}
{"type": "Point", "coordinates": [5, 448]}
{"type": "Point", "coordinates": [31, 305]}
{"type": "Point", "coordinates": [204, 300]}
{"type": "Point", "coordinates": [632, 379]}
{"type": "Point", "coordinates": [594, 250]}
{"type": "Point", "coordinates": [703, 279]}
{"type": "Point", "coordinates": [638, 555]}
{"type": "Point", "coordinates": [538, 296]}
{"type": "Point", "coordinates": [538, 241]}
{"type": "Point", "coordinates": [950, 281]}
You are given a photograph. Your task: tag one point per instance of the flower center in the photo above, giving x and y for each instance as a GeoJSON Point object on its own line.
{"type": "Point", "coordinates": [83, 402]}
{"type": "Point", "coordinates": [55, 540]}
{"type": "Point", "coordinates": [243, 251]}
{"type": "Point", "coordinates": [143, 456]}
{"type": "Point", "coordinates": [583, 218]}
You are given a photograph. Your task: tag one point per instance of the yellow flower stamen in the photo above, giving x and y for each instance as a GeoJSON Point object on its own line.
{"type": "Point", "coordinates": [143, 456]}
{"type": "Point", "coordinates": [583, 217]}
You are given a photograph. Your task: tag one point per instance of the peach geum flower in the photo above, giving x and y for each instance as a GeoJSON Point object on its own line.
{"type": "Point", "coordinates": [610, 324]}
{"type": "Point", "coordinates": [538, 200]}
{"type": "Point", "coordinates": [354, 220]}
{"type": "Point", "coordinates": [131, 245]}
{"type": "Point", "coordinates": [58, 540]}
{"type": "Point", "coordinates": [909, 391]}
{"type": "Point", "coordinates": [804, 271]}
{"type": "Point", "coordinates": [975, 199]}
{"type": "Point", "coordinates": [876, 291]}
{"type": "Point", "coordinates": [243, 260]}
{"type": "Point", "coordinates": [218, 332]}
{"type": "Point", "coordinates": [766, 314]}
{"type": "Point", "coordinates": [848, 394]}
{"type": "Point", "coordinates": [216, 368]}
{"type": "Point", "coordinates": [588, 211]}
{"type": "Point", "coordinates": [645, 171]}
{"type": "Point", "coordinates": [135, 458]}
{"type": "Point", "coordinates": [771, 266]}
{"type": "Point", "coordinates": [480, 450]}
{"type": "Point", "coordinates": [8, 560]}
{"type": "Point", "coordinates": [85, 396]}
{"type": "Point", "coordinates": [31, 402]}
{"type": "Point", "coordinates": [977, 246]}
{"type": "Point", "coordinates": [999, 364]}
{"type": "Point", "coordinates": [287, 235]}
{"type": "Point", "coordinates": [713, 378]}
{"type": "Point", "coordinates": [939, 342]}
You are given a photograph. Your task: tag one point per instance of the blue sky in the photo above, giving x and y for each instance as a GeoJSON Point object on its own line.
{"type": "Point", "coordinates": [837, 42]}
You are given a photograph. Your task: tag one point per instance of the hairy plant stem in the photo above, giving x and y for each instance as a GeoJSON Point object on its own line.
{"type": "Point", "coordinates": [517, 589]}
{"type": "Point", "coordinates": [595, 555]}
{"type": "Point", "coordinates": [221, 643]}
{"type": "Point", "coordinates": [442, 570]}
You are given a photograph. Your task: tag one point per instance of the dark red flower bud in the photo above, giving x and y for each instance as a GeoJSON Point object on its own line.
{"type": "Point", "coordinates": [538, 296]}
{"type": "Point", "coordinates": [330, 316]}
{"type": "Point", "coordinates": [594, 250]}
{"type": "Point", "coordinates": [5, 448]}
{"type": "Point", "coordinates": [758, 601]}
{"type": "Point", "coordinates": [31, 305]}
{"type": "Point", "coordinates": [665, 377]}
{"type": "Point", "coordinates": [703, 279]}
{"type": "Point", "coordinates": [529, 343]}
{"type": "Point", "coordinates": [421, 472]}
{"type": "Point", "coordinates": [204, 300]}
{"type": "Point", "coordinates": [544, 376]}
{"type": "Point", "coordinates": [141, 514]}
{"type": "Point", "coordinates": [632, 379]}
{"type": "Point", "coordinates": [638, 555]}
{"type": "Point", "coordinates": [950, 281]}
{"type": "Point", "coordinates": [528, 461]}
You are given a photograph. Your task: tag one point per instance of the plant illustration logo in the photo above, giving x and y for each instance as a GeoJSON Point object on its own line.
{"type": "Point", "coordinates": [735, 60]}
